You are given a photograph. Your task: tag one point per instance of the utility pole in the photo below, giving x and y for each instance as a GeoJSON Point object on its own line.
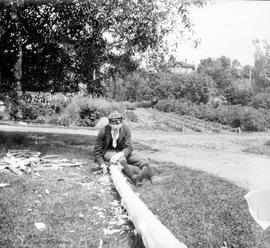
{"type": "Point", "coordinates": [250, 76]}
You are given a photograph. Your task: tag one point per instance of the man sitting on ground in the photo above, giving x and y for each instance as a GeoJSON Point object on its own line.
{"type": "Point", "coordinates": [114, 145]}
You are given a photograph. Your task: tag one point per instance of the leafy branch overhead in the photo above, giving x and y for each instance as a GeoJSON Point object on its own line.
{"type": "Point", "coordinates": [67, 42]}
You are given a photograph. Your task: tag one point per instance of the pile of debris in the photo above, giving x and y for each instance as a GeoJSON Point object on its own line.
{"type": "Point", "coordinates": [26, 161]}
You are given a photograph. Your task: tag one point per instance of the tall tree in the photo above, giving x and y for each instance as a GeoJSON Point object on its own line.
{"type": "Point", "coordinates": [65, 42]}
{"type": "Point", "coordinates": [261, 71]}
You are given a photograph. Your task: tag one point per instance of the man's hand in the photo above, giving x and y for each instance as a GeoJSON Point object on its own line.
{"type": "Point", "coordinates": [104, 169]}
{"type": "Point", "coordinates": [115, 158]}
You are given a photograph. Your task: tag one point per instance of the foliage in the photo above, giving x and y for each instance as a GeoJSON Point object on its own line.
{"type": "Point", "coordinates": [247, 118]}
{"type": "Point", "coordinates": [87, 110]}
{"type": "Point", "coordinates": [198, 88]}
{"type": "Point", "coordinates": [261, 71]}
{"type": "Point", "coordinates": [59, 102]}
{"type": "Point", "coordinates": [67, 42]}
{"type": "Point", "coordinates": [34, 111]}
{"type": "Point", "coordinates": [219, 70]}
{"type": "Point", "coordinates": [89, 116]}
{"type": "Point", "coordinates": [144, 86]}
{"type": "Point", "coordinates": [223, 71]}
{"type": "Point", "coordinates": [133, 87]}
{"type": "Point", "coordinates": [238, 96]}
{"type": "Point", "coordinates": [78, 110]}
{"type": "Point", "coordinates": [261, 100]}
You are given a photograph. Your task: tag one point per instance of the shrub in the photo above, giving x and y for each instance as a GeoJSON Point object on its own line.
{"type": "Point", "coordinates": [253, 120]}
{"type": "Point", "coordinates": [166, 105]}
{"type": "Point", "coordinates": [261, 100]}
{"type": "Point", "coordinates": [143, 86]}
{"type": "Point", "coordinates": [198, 88]}
{"type": "Point", "coordinates": [238, 96]}
{"type": "Point", "coordinates": [58, 103]}
{"type": "Point", "coordinates": [31, 111]}
{"type": "Point", "coordinates": [89, 116]}
{"type": "Point", "coordinates": [249, 119]}
{"type": "Point", "coordinates": [86, 111]}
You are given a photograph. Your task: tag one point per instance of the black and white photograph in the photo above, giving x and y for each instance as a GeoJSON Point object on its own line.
{"type": "Point", "coordinates": [134, 124]}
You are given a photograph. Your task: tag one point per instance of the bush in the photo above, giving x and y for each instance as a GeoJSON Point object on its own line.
{"type": "Point", "coordinates": [247, 118]}
{"type": "Point", "coordinates": [89, 116]}
{"type": "Point", "coordinates": [86, 111]}
{"type": "Point", "coordinates": [166, 105]}
{"type": "Point", "coordinates": [261, 100]}
{"type": "Point", "coordinates": [32, 111]}
{"type": "Point", "coordinates": [78, 110]}
{"type": "Point", "coordinates": [253, 120]}
{"type": "Point", "coordinates": [143, 86]}
{"type": "Point", "coordinates": [58, 103]}
{"type": "Point", "coordinates": [238, 96]}
{"type": "Point", "coordinates": [198, 88]}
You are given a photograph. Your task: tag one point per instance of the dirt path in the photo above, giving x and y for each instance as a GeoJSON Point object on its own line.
{"type": "Point", "coordinates": [221, 155]}
{"type": "Point", "coordinates": [218, 154]}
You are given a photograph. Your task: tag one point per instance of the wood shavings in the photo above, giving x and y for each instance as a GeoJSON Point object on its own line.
{"type": "Point", "coordinates": [111, 231]}
{"type": "Point", "coordinates": [40, 226]}
{"type": "Point", "coordinates": [3, 185]}
{"type": "Point", "coordinates": [19, 161]}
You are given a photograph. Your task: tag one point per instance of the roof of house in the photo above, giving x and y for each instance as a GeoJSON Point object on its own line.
{"type": "Point", "coordinates": [180, 64]}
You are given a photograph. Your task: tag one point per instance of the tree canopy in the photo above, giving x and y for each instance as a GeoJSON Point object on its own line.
{"type": "Point", "coordinates": [261, 71]}
{"type": "Point", "coordinates": [65, 42]}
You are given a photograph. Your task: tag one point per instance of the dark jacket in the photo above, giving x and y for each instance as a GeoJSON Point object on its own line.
{"type": "Point", "coordinates": [104, 140]}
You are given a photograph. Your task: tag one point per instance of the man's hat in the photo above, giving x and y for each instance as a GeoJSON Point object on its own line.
{"type": "Point", "coordinates": [115, 115]}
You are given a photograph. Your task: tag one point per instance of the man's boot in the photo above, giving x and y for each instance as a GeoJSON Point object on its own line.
{"type": "Point", "coordinates": [146, 173]}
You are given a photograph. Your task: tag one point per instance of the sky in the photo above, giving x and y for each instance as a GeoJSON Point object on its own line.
{"type": "Point", "coordinates": [227, 27]}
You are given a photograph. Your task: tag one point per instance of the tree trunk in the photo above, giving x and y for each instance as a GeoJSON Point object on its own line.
{"type": "Point", "coordinates": [0, 74]}
{"type": "Point", "coordinates": [17, 68]}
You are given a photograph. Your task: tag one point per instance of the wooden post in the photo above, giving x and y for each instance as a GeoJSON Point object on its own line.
{"type": "Point", "coordinates": [154, 233]}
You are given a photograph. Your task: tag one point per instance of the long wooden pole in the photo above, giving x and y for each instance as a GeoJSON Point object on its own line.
{"type": "Point", "coordinates": [154, 233]}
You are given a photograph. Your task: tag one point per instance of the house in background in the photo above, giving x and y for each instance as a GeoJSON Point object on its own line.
{"type": "Point", "coordinates": [179, 67]}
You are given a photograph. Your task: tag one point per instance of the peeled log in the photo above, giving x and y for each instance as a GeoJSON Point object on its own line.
{"type": "Point", "coordinates": [154, 233]}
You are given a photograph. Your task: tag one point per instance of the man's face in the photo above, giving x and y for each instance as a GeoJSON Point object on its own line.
{"type": "Point", "coordinates": [115, 123]}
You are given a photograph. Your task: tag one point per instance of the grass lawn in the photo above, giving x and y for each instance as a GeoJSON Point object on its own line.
{"type": "Point", "coordinates": [202, 210]}
{"type": "Point", "coordinates": [78, 207]}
